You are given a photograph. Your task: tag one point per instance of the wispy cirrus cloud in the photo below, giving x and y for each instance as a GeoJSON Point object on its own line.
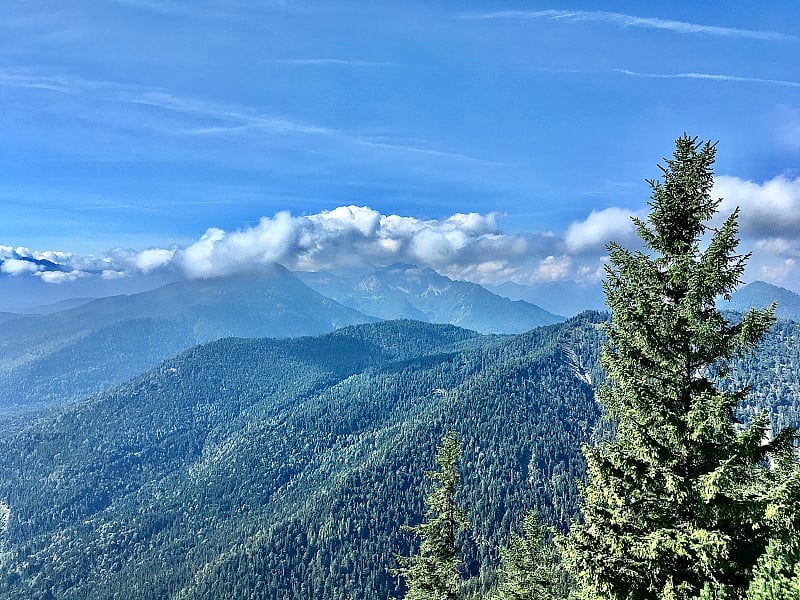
{"type": "Point", "coordinates": [332, 62]}
{"type": "Point", "coordinates": [203, 9]}
{"type": "Point", "coordinates": [23, 79]}
{"type": "Point", "coordinates": [209, 118]}
{"type": "Point", "coordinates": [625, 20]}
{"type": "Point", "coordinates": [415, 149]}
{"type": "Point", "coordinates": [709, 76]}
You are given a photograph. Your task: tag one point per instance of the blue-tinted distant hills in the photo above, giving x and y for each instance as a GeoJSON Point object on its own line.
{"type": "Point", "coordinates": [7, 316]}
{"type": "Point", "coordinates": [46, 309]}
{"type": "Point", "coordinates": [403, 291]}
{"type": "Point", "coordinates": [760, 294]}
{"type": "Point", "coordinates": [561, 297]}
{"type": "Point", "coordinates": [63, 356]}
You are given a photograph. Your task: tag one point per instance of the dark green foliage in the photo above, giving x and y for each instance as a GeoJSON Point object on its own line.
{"type": "Point", "coordinates": [678, 504]}
{"type": "Point", "coordinates": [283, 468]}
{"type": "Point", "coordinates": [531, 566]}
{"type": "Point", "coordinates": [777, 573]}
{"type": "Point", "coordinates": [434, 570]}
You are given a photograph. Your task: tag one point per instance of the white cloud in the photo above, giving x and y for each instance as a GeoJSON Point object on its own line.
{"type": "Point", "coordinates": [51, 255]}
{"type": "Point", "coordinates": [710, 76]}
{"type": "Point", "coordinates": [15, 266]}
{"type": "Point", "coordinates": [778, 245]}
{"type": "Point", "coordinates": [599, 228]}
{"type": "Point", "coordinates": [111, 274]}
{"type": "Point", "coordinates": [553, 269]}
{"type": "Point", "coordinates": [199, 117]}
{"type": "Point", "coordinates": [768, 209]}
{"type": "Point", "coordinates": [152, 259]}
{"type": "Point", "coordinates": [625, 20]}
{"type": "Point", "coordinates": [468, 246]}
{"type": "Point", "coordinates": [779, 273]}
{"type": "Point", "coordinates": [60, 276]}
{"type": "Point", "coordinates": [347, 236]}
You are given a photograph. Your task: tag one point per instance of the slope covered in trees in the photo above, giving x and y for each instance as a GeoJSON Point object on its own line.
{"type": "Point", "coordinates": [283, 468]}
{"type": "Point", "coordinates": [50, 359]}
{"type": "Point", "coordinates": [760, 294]}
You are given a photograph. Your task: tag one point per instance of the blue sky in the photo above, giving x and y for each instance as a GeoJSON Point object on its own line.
{"type": "Point", "coordinates": [138, 125]}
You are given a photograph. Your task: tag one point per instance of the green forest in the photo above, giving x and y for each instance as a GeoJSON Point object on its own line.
{"type": "Point", "coordinates": [649, 453]}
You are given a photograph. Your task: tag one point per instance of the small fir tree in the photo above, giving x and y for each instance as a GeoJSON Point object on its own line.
{"type": "Point", "coordinates": [433, 573]}
{"type": "Point", "coordinates": [531, 566]}
{"type": "Point", "coordinates": [677, 505]}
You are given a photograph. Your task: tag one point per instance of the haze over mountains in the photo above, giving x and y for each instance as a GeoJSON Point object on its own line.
{"type": "Point", "coordinates": [46, 309]}
{"type": "Point", "coordinates": [405, 291]}
{"type": "Point", "coordinates": [47, 359]}
{"type": "Point", "coordinates": [70, 354]}
{"type": "Point", "coordinates": [561, 297]}
{"type": "Point", "coordinates": [66, 355]}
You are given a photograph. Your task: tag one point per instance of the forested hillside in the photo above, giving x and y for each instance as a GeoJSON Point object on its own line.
{"type": "Point", "coordinates": [284, 468]}
{"type": "Point", "coordinates": [68, 355]}
{"type": "Point", "coordinates": [50, 359]}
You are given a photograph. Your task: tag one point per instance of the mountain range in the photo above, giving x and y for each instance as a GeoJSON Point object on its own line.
{"type": "Point", "coordinates": [46, 309]}
{"type": "Point", "coordinates": [284, 468]}
{"type": "Point", "coordinates": [278, 469]}
{"type": "Point", "coordinates": [403, 291]}
{"type": "Point", "coordinates": [66, 355]}
{"type": "Point", "coordinates": [562, 297]}
{"type": "Point", "coordinates": [760, 294]}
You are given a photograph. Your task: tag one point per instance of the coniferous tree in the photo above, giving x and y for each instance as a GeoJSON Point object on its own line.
{"type": "Point", "coordinates": [433, 573]}
{"type": "Point", "coordinates": [777, 573]}
{"type": "Point", "coordinates": [673, 506]}
{"type": "Point", "coordinates": [531, 566]}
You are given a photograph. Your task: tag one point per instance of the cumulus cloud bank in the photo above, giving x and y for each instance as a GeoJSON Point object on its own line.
{"type": "Point", "coordinates": [357, 236]}
{"type": "Point", "coordinates": [468, 246]}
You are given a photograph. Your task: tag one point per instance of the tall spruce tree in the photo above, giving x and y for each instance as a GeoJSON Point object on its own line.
{"type": "Point", "coordinates": [433, 572]}
{"type": "Point", "coordinates": [678, 505]}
